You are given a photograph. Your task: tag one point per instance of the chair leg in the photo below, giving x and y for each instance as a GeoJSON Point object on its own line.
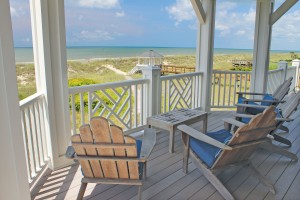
{"type": "Point", "coordinates": [212, 178]}
{"type": "Point", "coordinates": [262, 179]}
{"type": "Point", "coordinates": [186, 151]}
{"type": "Point", "coordinates": [145, 170]}
{"type": "Point", "coordinates": [139, 192]}
{"type": "Point", "coordinates": [282, 140]}
{"type": "Point", "coordinates": [275, 149]}
{"type": "Point", "coordinates": [284, 128]}
{"type": "Point", "coordinates": [81, 191]}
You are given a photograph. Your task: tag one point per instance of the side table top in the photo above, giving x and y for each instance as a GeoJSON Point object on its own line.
{"type": "Point", "coordinates": [176, 116]}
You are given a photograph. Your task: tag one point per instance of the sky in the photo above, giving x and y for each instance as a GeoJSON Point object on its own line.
{"type": "Point", "coordinates": [157, 23]}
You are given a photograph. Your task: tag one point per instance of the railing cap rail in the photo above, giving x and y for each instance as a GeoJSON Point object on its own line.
{"type": "Point", "coordinates": [181, 75]}
{"type": "Point", "coordinates": [25, 102]}
{"type": "Point", "coordinates": [94, 87]}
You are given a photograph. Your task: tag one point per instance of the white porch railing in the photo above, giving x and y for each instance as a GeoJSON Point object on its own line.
{"type": "Point", "coordinates": [126, 104]}
{"type": "Point", "coordinates": [180, 91]}
{"type": "Point", "coordinates": [122, 103]}
{"type": "Point", "coordinates": [275, 78]}
{"type": "Point", "coordinates": [225, 84]}
{"type": "Point", "coordinates": [34, 134]}
{"type": "Point", "coordinates": [294, 72]}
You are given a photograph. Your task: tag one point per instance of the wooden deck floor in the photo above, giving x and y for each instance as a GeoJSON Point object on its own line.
{"type": "Point", "coordinates": [167, 181]}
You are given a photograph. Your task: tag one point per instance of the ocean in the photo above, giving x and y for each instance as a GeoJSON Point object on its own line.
{"type": "Point", "coordinates": [25, 54]}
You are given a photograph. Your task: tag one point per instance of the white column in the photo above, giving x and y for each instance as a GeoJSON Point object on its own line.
{"type": "Point", "coordinates": [49, 44]}
{"type": "Point", "coordinates": [154, 99]}
{"type": "Point", "coordinates": [262, 41]}
{"type": "Point", "coordinates": [14, 180]}
{"type": "Point", "coordinates": [205, 51]}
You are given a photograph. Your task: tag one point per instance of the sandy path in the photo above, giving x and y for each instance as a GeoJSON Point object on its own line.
{"type": "Point", "coordinates": [110, 67]}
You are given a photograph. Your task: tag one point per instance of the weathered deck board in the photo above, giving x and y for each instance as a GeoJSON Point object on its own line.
{"type": "Point", "coordinates": [167, 181]}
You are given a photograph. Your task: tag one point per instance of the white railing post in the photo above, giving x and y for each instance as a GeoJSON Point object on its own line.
{"type": "Point", "coordinates": [283, 65]}
{"type": "Point", "coordinates": [296, 63]}
{"type": "Point", "coordinates": [153, 101]}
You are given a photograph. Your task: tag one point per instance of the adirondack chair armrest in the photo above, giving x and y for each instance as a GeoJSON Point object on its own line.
{"type": "Point", "coordinates": [70, 152]}
{"type": "Point", "coordinates": [250, 106]}
{"type": "Point", "coordinates": [244, 115]}
{"type": "Point", "coordinates": [250, 116]}
{"type": "Point", "coordinates": [250, 93]}
{"type": "Point", "coordinates": [203, 137]}
{"type": "Point", "coordinates": [148, 143]}
{"type": "Point", "coordinates": [284, 119]}
{"type": "Point", "coordinates": [261, 100]}
{"type": "Point", "coordinates": [234, 122]}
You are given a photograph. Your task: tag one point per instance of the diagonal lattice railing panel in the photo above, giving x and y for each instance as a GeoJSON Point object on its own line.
{"type": "Point", "coordinates": [120, 102]}
{"type": "Point", "coordinates": [180, 91]}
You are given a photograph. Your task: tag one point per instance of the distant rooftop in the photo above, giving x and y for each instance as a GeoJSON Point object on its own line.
{"type": "Point", "coordinates": [151, 54]}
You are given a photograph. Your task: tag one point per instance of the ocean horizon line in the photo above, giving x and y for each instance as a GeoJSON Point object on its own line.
{"type": "Point", "coordinates": [25, 54]}
{"type": "Point", "coordinates": [283, 50]}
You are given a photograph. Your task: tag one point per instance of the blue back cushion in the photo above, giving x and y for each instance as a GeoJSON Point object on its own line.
{"type": "Point", "coordinates": [206, 152]}
{"type": "Point", "coordinates": [278, 115]}
{"type": "Point", "coordinates": [241, 100]}
{"type": "Point", "coordinates": [267, 97]}
{"type": "Point", "coordinates": [138, 148]}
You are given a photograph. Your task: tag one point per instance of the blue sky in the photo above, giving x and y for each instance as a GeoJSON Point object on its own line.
{"type": "Point", "coordinates": [167, 23]}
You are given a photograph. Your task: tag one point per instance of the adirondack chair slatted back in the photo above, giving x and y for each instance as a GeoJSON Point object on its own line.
{"type": "Point", "coordinates": [246, 138]}
{"type": "Point", "coordinates": [101, 134]}
{"type": "Point", "coordinates": [290, 105]}
{"type": "Point", "coordinates": [283, 89]}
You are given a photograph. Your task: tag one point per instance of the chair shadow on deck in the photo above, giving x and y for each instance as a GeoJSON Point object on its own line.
{"type": "Point", "coordinates": [55, 184]}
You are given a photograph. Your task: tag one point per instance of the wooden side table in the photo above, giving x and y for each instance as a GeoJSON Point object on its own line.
{"type": "Point", "coordinates": [170, 120]}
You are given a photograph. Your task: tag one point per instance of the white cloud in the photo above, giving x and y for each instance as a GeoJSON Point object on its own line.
{"type": "Point", "coordinates": [182, 10]}
{"type": "Point", "coordinates": [96, 35]}
{"type": "Point", "coordinates": [25, 40]}
{"type": "Point", "coordinates": [231, 22]}
{"type": "Point", "coordinates": [120, 14]}
{"type": "Point", "coordinates": [288, 27]}
{"type": "Point", "coordinates": [226, 5]}
{"type": "Point", "coordinates": [104, 4]}
{"type": "Point", "coordinates": [13, 11]}
{"type": "Point", "coordinates": [240, 32]}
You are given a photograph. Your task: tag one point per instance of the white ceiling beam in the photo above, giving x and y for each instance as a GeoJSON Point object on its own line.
{"type": "Point", "coordinates": [198, 8]}
{"type": "Point", "coordinates": [282, 10]}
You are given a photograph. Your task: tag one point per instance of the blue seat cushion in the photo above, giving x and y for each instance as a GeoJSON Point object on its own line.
{"type": "Point", "coordinates": [206, 152]}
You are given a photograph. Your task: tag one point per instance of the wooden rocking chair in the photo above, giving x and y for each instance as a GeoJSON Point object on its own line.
{"type": "Point", "coordinates": [216, 150]}
{"type": "Point", "coordinates": [107, 156]}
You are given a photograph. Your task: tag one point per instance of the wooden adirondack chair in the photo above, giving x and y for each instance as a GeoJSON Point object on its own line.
{"type": "Point", "coordinates": [268, 99]}
{"type": "Point", "coordinates": [283, 114]}
{"type": "Point", "coordinates": [217, 150]}
{"type": "Point", "coordinates": [107, 156]}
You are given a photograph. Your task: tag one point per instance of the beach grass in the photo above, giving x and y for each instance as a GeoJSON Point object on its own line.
{"type": "Point", "coordinates": [95, 70]}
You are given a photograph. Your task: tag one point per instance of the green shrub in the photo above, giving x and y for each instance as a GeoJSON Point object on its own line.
{"type": "Point", "coordinates": [80, 82]}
